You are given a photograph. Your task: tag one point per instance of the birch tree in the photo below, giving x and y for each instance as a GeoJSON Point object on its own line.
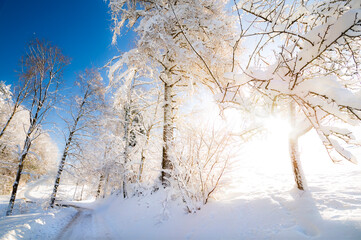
{"type": "Point", "coordinates": [92, 95]}
{"type": "Point", "coordinates": [127, 112]}
{"type": "Point", "coordinates": [40, 159]}
{"type": "Point", "coordinates": [43, 65]}
{"type": "Point", "coordinates": [136, 104]}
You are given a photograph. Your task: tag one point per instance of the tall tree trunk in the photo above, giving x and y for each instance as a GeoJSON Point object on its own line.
{"type": "Point", "coordinates": [142, 156]}
{"type": "Point", "coordinates": [22, 157]}
{"type": "Point", "coordinates": [33, 125]}
{"type": "Point", "coordinates": [126, 147]}
{"type": "Point", "coordinates": [141, 166]}
{"type": "Point", "coordinates": [101, 179]}
{"type": "Point", "coordinates": [76, 187]}
{"type": "Point", "coordinates": [60, 169]}
{"type": "Point", "coordinates": [106, 185]}
{"type": "Point", "coordinates": [294, 152]}
{"type": "Point", "coordinates": [296, 164]}
{"type": "Point", "coordinates": [167, 135]}
{"type": "Point", "coordinates": [81, 194]}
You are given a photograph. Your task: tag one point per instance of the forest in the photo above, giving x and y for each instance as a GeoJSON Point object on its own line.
{"type": "Point", "coordinates": [186, 133]}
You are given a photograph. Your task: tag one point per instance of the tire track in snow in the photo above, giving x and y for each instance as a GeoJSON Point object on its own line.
{"type": "Point", "coordinates": [69, 225]}
{"type": "Point", "coordinates": [86, 224]}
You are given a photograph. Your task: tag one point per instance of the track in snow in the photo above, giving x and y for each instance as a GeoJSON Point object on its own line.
{"type": "Point", "coordinates": [86, 225]}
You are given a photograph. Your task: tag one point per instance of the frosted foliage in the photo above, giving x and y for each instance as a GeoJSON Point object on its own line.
{"type": "Point", "coordinates": [122, 140]}
{"type": "Point", "coordinates": [5, 98]}
{"type": "Point", "coordinates": [41, 158]}
{"type": "Point", "coordinates": [315, 66]}
{"type": "Point", "coordinates": [162, 43]}
{"type": "Point", "coordinates": [202, 155]}
{"type": "Point", "coordinates": [296, 57]}
{"type": "Point", "coordinates": [5, 92]}
{"type": "Point", "coordinates": [179, 45]}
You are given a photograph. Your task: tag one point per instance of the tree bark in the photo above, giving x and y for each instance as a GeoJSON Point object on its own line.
{"type": "Point", "coordinates": [106, 185]}
{"type": "Point", "coordinates": [141, 167]}
{"type": "Point", "coordinates": [294, 152]}
{"type": "Point", "coordinates": [60, 169]}
{"type": "Point", "coordinates": [81, 194]}
{"type": "Point", "coordinates": [126, 147]}
{"type": "Point", "coordinates": [101, 179]}
{"type": "Point", "coordinates": [76, 187]}
{"type": "Point", "coordinates": [167, 135]}
{"type": "Point", "coordinates": [22, 157]}
{"type": "Point", "coordinates": [142, 156]}
{"type": "Point", "coordinates": [296, 165]}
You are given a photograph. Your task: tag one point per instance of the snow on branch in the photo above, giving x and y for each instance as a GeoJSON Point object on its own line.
{"type": "Point", "coordinates": [324, 36]}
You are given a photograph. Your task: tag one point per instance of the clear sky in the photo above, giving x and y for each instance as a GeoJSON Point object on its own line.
{"type": "Point", "coordinates": [81, 28]}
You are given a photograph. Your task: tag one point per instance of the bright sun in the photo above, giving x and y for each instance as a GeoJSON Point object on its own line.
{"type": "Point", "coordinates": [268, 152]}
{"type": "Point", "coordinates": [275, 144]}
{"type": "Point", "coordinates": [279, 128]}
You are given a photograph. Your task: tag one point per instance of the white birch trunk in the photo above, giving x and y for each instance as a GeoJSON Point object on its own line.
{"type": "Point", "coordinates": [22, 157]}
{"type": "Point", "coordinates": [167, 135]}
{"type": "Point", "coordinates": [76, 187]}
{"type": "Point", "coordinates": [81, 194]}
{"type": "Point", "coordinates": [142, 156]}
{"type": "Point", "coordinates": [60, 170]}
{"type": "Point", "coordinates": [101, 179]}
{"type": "Point", "coordinates": [126, 147]}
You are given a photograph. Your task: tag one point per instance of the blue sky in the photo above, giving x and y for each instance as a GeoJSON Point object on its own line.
{"type": "Point", "coordinates": [81, 28]}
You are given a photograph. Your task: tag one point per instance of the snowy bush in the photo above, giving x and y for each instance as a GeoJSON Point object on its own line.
{"type": "Point", "coordinates": [201, 155]}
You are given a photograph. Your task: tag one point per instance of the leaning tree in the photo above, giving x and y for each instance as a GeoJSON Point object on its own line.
{"type": "Point", "coordinates": [83, 110]}
{"type": "Point", "coordinates": [43, 65]}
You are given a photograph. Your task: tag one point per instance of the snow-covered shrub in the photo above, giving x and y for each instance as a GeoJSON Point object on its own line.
{"type": "Point", "coordinates": [201, 154]}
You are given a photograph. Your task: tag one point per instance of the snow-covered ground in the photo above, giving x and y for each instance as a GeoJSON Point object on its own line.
{"type": "Point", "coordinates": [257, 201]}
{"type": "Point", "coordinates": [31, 221]}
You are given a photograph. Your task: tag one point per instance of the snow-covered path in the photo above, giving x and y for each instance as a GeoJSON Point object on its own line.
{"type": "Point", "coordinates": [80, 227]}
{"type": "Point", "coordinates": [87, 224]}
